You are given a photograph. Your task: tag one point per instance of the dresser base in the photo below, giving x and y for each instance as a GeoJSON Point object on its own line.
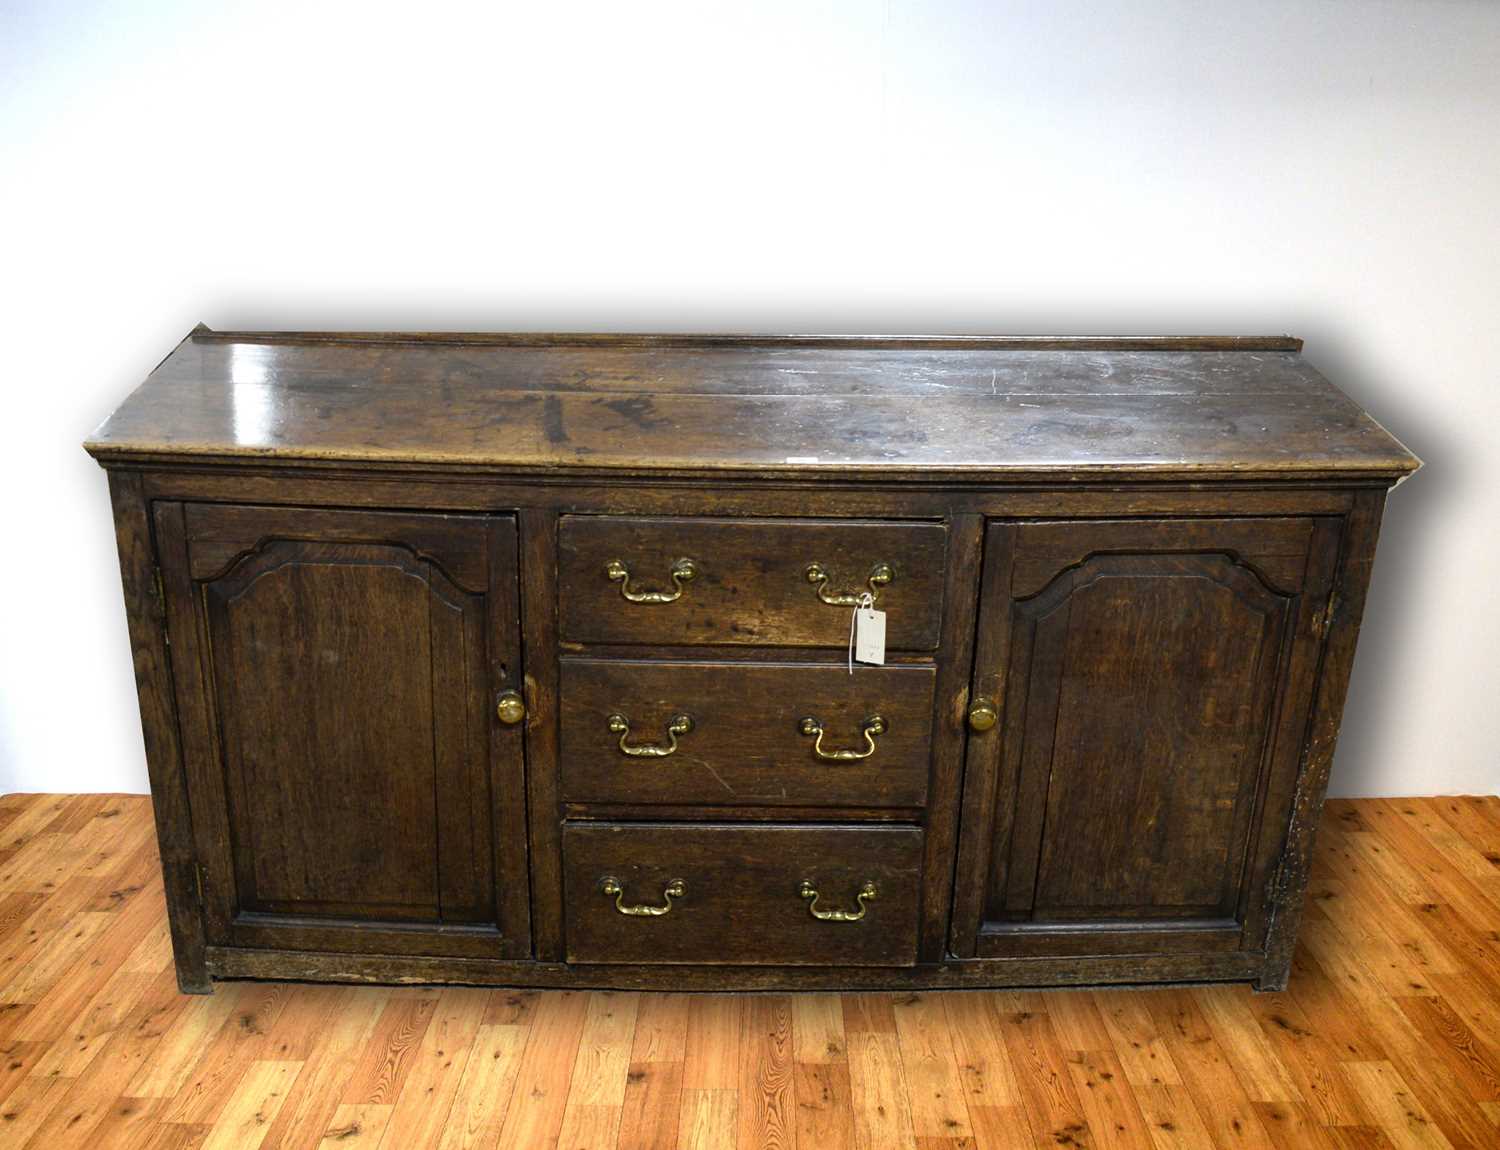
{"type": "Point", "coordinates": [419, 621]}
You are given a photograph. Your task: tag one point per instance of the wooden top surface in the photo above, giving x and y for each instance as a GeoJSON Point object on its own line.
{"type": "Point", "coordinates": [859, 407]}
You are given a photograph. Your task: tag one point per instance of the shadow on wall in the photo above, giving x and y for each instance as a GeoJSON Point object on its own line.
{"type": "Point", "coordinates": [1377, 692]}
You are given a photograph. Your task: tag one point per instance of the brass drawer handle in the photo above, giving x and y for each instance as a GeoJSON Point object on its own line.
{"type": "Point", "coordinates": [874, 725]}
{"type": "Point", "coordinates": [880, 575]}
{"type": "Point", "coordinates": [610, 887]}
{"type": "Point", "coordinates": [620, 725]}
{"type": "Point", "coordinates": [867, 893]}
{"type": "Point", "coordinates": [683, 571]}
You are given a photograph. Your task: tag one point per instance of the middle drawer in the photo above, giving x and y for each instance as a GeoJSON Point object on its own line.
{"type": "Point", "coordinates": [736, 734]}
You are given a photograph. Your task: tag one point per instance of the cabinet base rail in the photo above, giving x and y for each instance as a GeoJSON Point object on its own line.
{"type": "Point", "coordinates": [954, 974]}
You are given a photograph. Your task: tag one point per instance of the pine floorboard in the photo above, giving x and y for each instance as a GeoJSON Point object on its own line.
{"type": "Point", "coordinates": [1388, 1037]}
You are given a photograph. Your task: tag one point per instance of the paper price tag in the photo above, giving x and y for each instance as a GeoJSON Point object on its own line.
{"type": "Point", "coordinates": [869, 635]}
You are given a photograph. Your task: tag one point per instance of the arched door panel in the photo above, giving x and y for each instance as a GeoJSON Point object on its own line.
{"type": "Point", "coordinates": [1146, 730]}
{"type": "Point", "coordinates": [337, 671]}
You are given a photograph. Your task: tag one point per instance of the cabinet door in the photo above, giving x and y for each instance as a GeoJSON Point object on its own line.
{"type": "Point", "coordinates": [1153, 680]}
{"type": "Point", "coordinates": [337, 674]}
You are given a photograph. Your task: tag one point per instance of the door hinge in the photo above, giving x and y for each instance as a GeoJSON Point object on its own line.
{"type": "Point", "coordinates": [1324, 618]}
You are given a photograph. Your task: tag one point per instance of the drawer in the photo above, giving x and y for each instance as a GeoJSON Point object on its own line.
{"type": "Point", "coordinates": [730, 895]}
{"type": "Point", "coordinates": [746, 582]}
{"type": "Point", "coordinates": [624, 738]}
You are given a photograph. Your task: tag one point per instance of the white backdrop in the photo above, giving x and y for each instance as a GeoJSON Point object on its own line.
{"type": "Point", "coordinates": [1330, 169]}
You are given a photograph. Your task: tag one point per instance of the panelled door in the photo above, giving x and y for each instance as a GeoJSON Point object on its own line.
{"type": "Point", "coordinates": [1151, 679]}
{"type": "Point", "coordinates": [337, 675]}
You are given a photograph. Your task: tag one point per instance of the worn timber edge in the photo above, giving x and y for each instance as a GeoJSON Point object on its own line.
{"type": "Point", "coordinates": [322, 966]}
{"type": "Point", "coordinates": [203, 334]}
{"type": "Point", "coordinates": [1289, 890]}
{"type": "Point", "coordinates": [146, 619]}
{"type": "Point", "coordinates": [160, 426]}
{"type": "Point", "coordinates": [366, 460]}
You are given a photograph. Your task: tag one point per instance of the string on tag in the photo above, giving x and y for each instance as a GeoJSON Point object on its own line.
{"type": "Point", "coordinates": [865, 602]}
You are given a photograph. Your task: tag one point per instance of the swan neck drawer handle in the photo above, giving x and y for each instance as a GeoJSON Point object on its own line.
{"type": "Point", "coordinates": [679, 725]}
{"type": "Point", "coordinates": [610, 887]}
{"type": "Point", "coordinates": [880, 575]}
{"type": "Point", "coordinates": [813, 729]}
{"type": "Point", "coordinates": [867, 893]}
{"type": "Point", "coordinates": [683, 571]}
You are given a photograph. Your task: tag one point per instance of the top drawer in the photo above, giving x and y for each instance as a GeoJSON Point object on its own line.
{"type": "Point", "coordinates": [756, 582]}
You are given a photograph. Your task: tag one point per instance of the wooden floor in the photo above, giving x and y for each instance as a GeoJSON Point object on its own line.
{"type": "Point", "coordinates": [1388, 1037]}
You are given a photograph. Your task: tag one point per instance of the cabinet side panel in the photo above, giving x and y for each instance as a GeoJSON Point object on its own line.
{"type": "Point", "coordinates": [153, 680]}
{"type": "Point", "coordinates": [1289, 888]}
{"type": "Point", "coordinates": [1305, 655]}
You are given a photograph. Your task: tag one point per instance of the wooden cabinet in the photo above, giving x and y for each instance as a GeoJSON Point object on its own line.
{"type": "Point", "coordinates": [526, 660]}
{"type": "Point", "coordinates": [1151, 680]}
{"type": "Point", "coordinates": [351, 780]}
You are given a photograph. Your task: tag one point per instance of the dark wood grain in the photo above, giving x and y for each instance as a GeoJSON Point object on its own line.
{"type": "Point", "coordinates": [342, 687]}
{"type": "Point", "coordinates": [960, 609]}
{"type": "Point", "coordinates": [742, 903]}
{"type": "Point", "coordinates": [220, 535]}
{"type": "Point", "coordinates": [1289, 880]}
{"type": "Point", "coordinates": [887, 410]}
{"type": "Point", "coordinates": [145, 613]}
{"type": "Point", "coordinates": [422, 489]}
{"type": "Point", "coordinates": [501, 805]}
{"type": "Point", "coordinates": [539, 635]}
{"type": "Point", "coordinates": [205, 334]}
{"type": "Point", "coordinates": [1082, 970]}
{"type": "Point", "coordinates": [338, 814]}
{"type": "Point", "coordinates": [745, 747]}
{"type": "Point", "coordinates": [1144, 672]}
{"type": "Point", "coordinates": [751, 586]}
{"type": "Point", "coordinates": [1128, 545]}
{"type": "Point", "coordinates": [988, 802]}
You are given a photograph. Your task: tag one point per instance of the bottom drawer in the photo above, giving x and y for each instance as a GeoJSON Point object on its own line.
{"type": "Point", "coordinates": [664, 893]}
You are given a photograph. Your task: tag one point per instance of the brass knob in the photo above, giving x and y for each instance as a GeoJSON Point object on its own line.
{"type": "Point", "coordinates": [982, 715]}
{"type": "Point", "coordinates": [510, 707]}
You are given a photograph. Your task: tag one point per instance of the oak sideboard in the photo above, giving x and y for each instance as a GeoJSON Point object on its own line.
{"type": "Point", "coordinates": [528, 659]}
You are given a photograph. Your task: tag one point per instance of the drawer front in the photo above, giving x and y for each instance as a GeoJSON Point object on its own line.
{"type": "Point", "coordinates": [745, 739]}
{"type": "Point", "coordinates": [746, 582]}
{"type": "Point", "coordinates": [742, 895]}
